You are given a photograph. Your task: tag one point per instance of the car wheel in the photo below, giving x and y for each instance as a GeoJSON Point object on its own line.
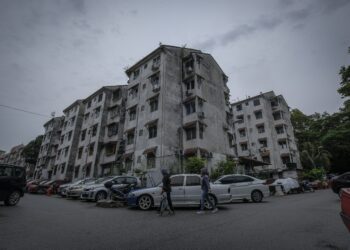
{"type": "Point", "coordinates": [100, 196]}
{"type": "Point", "coordinates": [13, 198]}
{"type": "Point", "coordinates": [206, 203]}
{"type": "Point", "coordinates": [145, 202]}
{"type": "Point", "coordinates": [256, 196]}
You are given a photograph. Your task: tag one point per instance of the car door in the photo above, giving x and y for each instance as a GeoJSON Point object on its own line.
{"type": "Point", "coordinates": [239, 186]}
{"type": "Point", "coordinates": [5, 181]}
{"type": "Point", "coordinates": [193, 189]}
{"type": "Point", "coordinates": [177, 189]}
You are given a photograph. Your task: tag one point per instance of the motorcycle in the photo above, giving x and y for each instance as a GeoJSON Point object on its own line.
{"type": "Point", "coordinates": [306, 187]}
{"type": "Point", "coordinates": [120, 192]}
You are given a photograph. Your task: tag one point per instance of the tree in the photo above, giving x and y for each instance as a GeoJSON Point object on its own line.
{"type": "Point", "coordinates": [223, 168]}
{"type": "Point", "coordinates": [31, 150]}
{"type": "Point", "coordinates": [314, 156]}
{"type": "Point", "coordinates": [193, 165]}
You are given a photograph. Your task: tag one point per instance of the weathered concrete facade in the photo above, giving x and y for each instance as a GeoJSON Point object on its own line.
{"type": "Point", "coordinates": [99, 133]}
{"type": "Point", "coordinates": [69, 138]}
{"type": "Point", "coordinates": [47, 154]}
{"type": "Point", "coordinates": [264, 132]}
{"type": "Point", "coordinates": [177, 107]}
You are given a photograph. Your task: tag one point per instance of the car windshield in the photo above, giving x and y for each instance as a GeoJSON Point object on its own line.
{"type": "Point", "coordinates": [98, 181]}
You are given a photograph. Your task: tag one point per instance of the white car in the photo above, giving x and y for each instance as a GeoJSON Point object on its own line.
{"type": "Point", "coordinates": [97, 191]}
{"type": "Point", "coordinates": [185, 191]}
{"type": "Point", "coordinates": [62, 190]}
{"type": "Point", "coordinates": [288, 185]}
{"type": "Point", "coordinates": [245, 187]}
{"type": "Point", "coordinates": [74, 191]}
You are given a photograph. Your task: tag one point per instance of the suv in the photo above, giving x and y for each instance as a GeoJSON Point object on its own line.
{"type": "Point", "coordinates": [12, 183]}
{"type": "Point", "coordinates": [341, 181]}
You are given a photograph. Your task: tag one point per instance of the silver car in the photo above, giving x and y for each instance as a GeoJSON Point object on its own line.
{"type": "Point", "coordinates": [245, 187]}
{"type": "Point", "coordinates": [97, 191]}
{"type": "Point", "coordinates": [185, 191]}
{"type": "Point", "coordinates": [74, 191]}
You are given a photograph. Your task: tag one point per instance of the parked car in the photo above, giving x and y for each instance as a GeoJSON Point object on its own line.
{"type": "Point", "coordinates": [345, 207]}
{"type": "Point", "coordinates": [289, 185]}
{"type": "Point", "coordinates": [12, 183]}
{"type": "Point", "coordinates": [62, 189]}
{"type": "Point", "coordinates": [244, 187]}
{"type": "Point", "coordinates": [97, 191]}
{"type": "Point", "coordinates": [75, 190]}
{"type": "Point", "coordinates": [52, 185]}
{"type": "Point", "coordinates": [34, 187]}
{"type": "Point", "coordinates": [186, 191]}
{"type": "Point", "coordinates": [341, 181]}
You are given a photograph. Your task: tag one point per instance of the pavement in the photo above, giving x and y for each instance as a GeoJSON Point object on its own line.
{"type": "Point", "coordinates": [301, 221]}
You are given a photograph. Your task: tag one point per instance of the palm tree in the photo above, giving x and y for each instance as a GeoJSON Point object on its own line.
{"type": "Point", "coordinates": [315, 156]}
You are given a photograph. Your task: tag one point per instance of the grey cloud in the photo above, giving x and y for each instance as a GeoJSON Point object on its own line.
{"type": "Point", "coordinates": [328, 6]}
{"type": "Point", "coordinates": [298, 15]}
{"type": "Point", "coordinates": [78, 5]}
{"type": "Point", "coordinates": [286, 3]}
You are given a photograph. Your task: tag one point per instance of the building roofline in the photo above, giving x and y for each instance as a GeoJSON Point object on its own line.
{"type": "Point", "coordinates": [110, 87]}
{"type": "Point", "coordinates": [253, 97]}
{"type": "Point", "coordinates": [152, 54]}
{"type": "Point", "coordinates": [73, 104]}
{"type": "Point", "coordinates": [53, 118]}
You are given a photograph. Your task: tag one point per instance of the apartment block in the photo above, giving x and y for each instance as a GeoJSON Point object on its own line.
{"type": "Point", "coordinates": [264, 136]}
{"type": "Point", "coordinates": [47, 154]}
{"type": "Point", "coordinates": [177, 107]}
{"type": "Point", "coordinates": [100, 139]}
{"type": "Point", "coordinates": [68, 141]}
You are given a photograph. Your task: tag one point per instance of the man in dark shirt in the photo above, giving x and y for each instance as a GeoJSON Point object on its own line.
{"type": "Point", "coordinates": [167, 188]}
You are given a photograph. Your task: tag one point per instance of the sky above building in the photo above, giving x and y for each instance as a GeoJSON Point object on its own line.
{"type": "Point", "coordinates": [54, 52]}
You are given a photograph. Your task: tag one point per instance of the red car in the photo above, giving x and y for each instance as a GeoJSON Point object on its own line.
{"type": "Point", "coordinates": [34, 186]}
{"type": "Point", "coordinates": [345, 207]}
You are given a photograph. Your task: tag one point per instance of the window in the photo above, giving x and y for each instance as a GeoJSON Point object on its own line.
{"type": "Point", "coordinates": [91, 149]}
{"type": "Point", "coordinates": [279, 129]}
{"type": "Point", "coordinates": [190, 107]}
{"type": "Point", "coordinates": [274, 103]}
{"type": "Point", "coordinates": [256, 102]}
{"type": "Point", "coordinates": [285, 159]}
{"type": "Point", "coordinates": [230, 140]}
{"type": "Point", "coordinates": [66, 150]}
{"type": "Point", "coordinates": [193, 181]}
{"type": "Point", "coordinates": [130, 138]}
{"type": "Point", "coordinates": [76, 171]}
{"type": "Point", "coordinates": [140, 132]}
{"type": "Point", "coordinates": [112, 129]}
{"type": "Point", "coordinates": [72, 120]}
{"type": "Point", "coordinates": [201, 131]}
{"type": "Point", "coordinates": [190, 133]}
{"type": "Point", "coordinates": [88, 170]}
{"type": "Point", "coordinates": [100, 97]}
{"type": "Point", "coordinates": [282, 144]}
{"type": "Point", "coordinates": [151, 161]}
{"type": "Point", "coordinates": [89, 104]}
{"type": "Point", "coordinates": [239, 107]}
{"type": "Point", "coordinates": [258, 114]}
{"type": "Point", "coordinates": [114, 112]}
{"type": "Point", "coordinates": [156, 60]}
{"type": "Point", "coordinates": [94, 129]}
{"type": "Point", "coordinates": [136, 73]}
{"type": "Point", "coordinates": [154, 104]}
{"type": "Point", "coordinates": [189, 66]}
{"type": "Point", "coordinates": [244, 147]}
{"type": "Point", "coordinates": [190, 84]}
{"type": "Point", "coordinates": [144, 86]}
{"type": "Point", "coordinates": [83, 134]}
{"type": "Point", "coordinates": [155, 81]}
{"type": "Point", "coordinates": [242, 132]}
{"type": "Point", "coordinates": [132, 114]}
{"type": "Point", "coordinates": [263, 143]}
{"type": "Point", "coordinates": [152, 130]}
{"type": "Point", "coordinates": [116, 95]}
{"type": "Point", "coordinates": [128, 164]}
{"type": "Point", "coordinates": [5, 171]}
{"type": "Point", "coordinates": [261, 128]}
{"type": "Point", "coordinates": [70, 135]}
{"type": "Point", "coordinates": [277, 115]}
{"type": "Point", "coordinates": [247, 103]}
{"type": "Point", "coordinates": [55, 169]}
{"type": "Point", "coordinates": [133, 92]}
{"type": "Point", "coordinates": [176, 181]}
{"type": "Point", "coordinates": [80, 152]}
{"type": "Point", "coordinates": [110, 149]}
{"type": "Point", "coordinates": [97, 112]}
{"type": "Point", "coordinates": [65, 125]}
{"type": "Point", "coordinates": [62, 138]}
{"type": "Point", "coordinates": [142, 107]}
{"type": "Point", "coordinates": [240, 119]}
{"type": "Point", "coordinates": [63, 166]}
{"type": "Point", "coordinates": [145, 66]}
{"type": "Point", "coordinates": [59, 154]}
{"type": "Point", "coordinates": [86, 117]}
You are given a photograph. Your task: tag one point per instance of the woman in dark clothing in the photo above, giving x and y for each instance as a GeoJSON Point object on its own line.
{"type": "Point", "coordinates": [167, 188]}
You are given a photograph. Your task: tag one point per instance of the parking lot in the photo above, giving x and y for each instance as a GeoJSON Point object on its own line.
{"type": "Point", "coordinates": [303, 221]}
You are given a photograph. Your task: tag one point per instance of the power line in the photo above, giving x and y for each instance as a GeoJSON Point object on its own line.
{"type": "Point", "coordinates": [22, 110]}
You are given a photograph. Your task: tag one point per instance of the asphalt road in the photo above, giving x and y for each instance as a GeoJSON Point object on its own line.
{"type": "Point", "coordinates": [303, 221]}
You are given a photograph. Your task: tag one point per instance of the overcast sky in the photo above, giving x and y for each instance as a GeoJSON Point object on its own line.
{"type": "Point", "coordinates": [54, 52]}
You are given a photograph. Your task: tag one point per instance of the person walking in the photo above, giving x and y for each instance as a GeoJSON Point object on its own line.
{"type": "Point", "coordinates": [167, 189]}
{"type": "Point", "coordinates": [205, 185]}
